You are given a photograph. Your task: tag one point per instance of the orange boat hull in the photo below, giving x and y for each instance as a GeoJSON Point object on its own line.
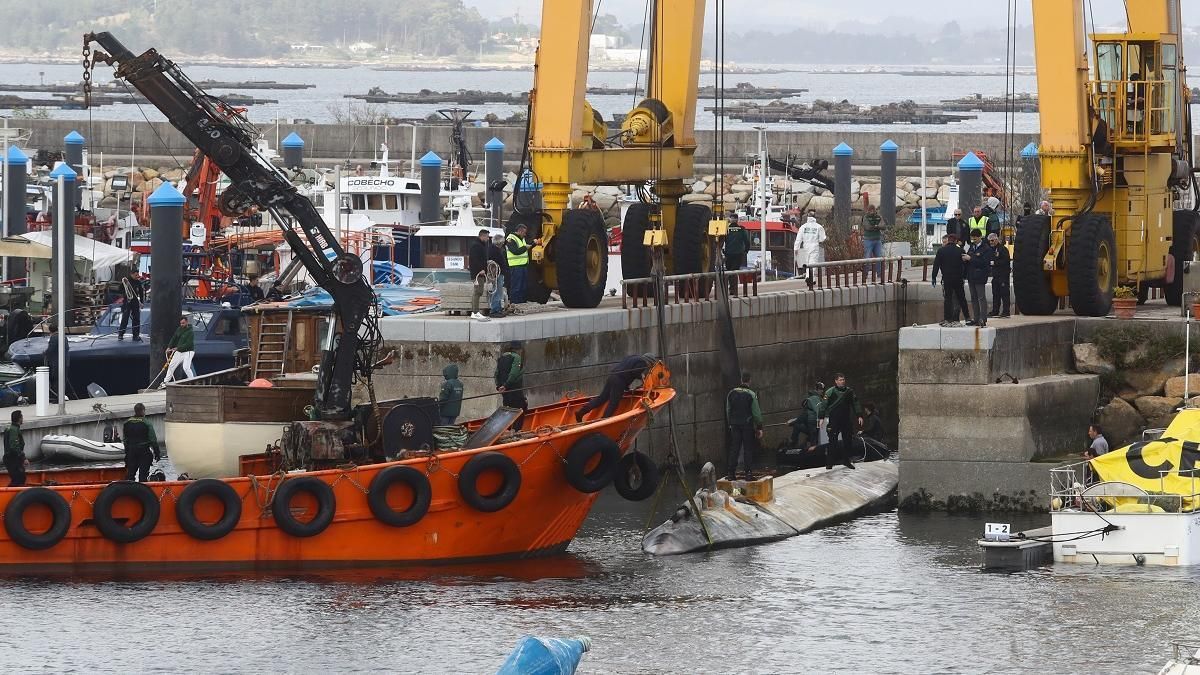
{"type": "Point", "coordinates": [543, 518]}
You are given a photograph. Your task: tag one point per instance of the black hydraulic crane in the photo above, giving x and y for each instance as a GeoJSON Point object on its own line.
{"type": "Point", "coordinates": [226, 137]}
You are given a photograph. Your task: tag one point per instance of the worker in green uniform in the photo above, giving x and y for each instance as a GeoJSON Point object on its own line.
{"type": "Point", "coordinates": [141, 445]}
{"type": "Point", "coordinates": [510, 381]}
{"type": "Point", "coordinates": [14, 451]}
{"type": "Point", "coordinates": [872, 234]}
{"type": "Point", "coordinates": [841, 408]}
{"type": "Point", "coordinates": [807, 422]}
{"type": "Point", "coordinates": [745, 420]}
{"type": "Point", "coordinates": [737, 244]}
{"type": "Point", "coordinates": [451, 396]}
{"type": "Point", "coordinates": [181, 349]}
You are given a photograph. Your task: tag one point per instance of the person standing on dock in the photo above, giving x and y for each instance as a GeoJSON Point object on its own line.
{"type": "Point", "coordinates": [141, 445]}
{"type": "Point", "coordinates": [737, 245]}
{"type": "Point", "coordinates": [957, 227]}
{"type": "Point", "coordinates": [14, 451]}
{"type": "Point", "coordinates": [873, 237]}
{"type": "Point", "coordinates": [496, 254]}
{"type": "Point", "coordinates": [50, 358]}
{"type": "Point", "coordinates": [510, 381]}
{"type": "Point", "coordinates": [950, 260]}
{"type": "Point", "coordinates": [518, 263]}
{"type": "Point", "coordinates": [844, 413]}
{"type": "Point", "coordinates": [131, 308]}
{"type": "Point", "coordinates": [1045, 209]}
{"type": "Point", "coordinates": [745, 419]}
{"type": "Point", "coordinates": [810, 244]}
{"type": "Point", "coordinates": [629, 370]}
{"type": "Point", "coordinates": [1001, 272]}
{"type": "Point", "coordinates": [979, 268]}
{"type": "Point", "coordinates": [477, 258]}
{"type": "Point", "coordinates": [978, 222]}
{"type": "Point", "coordinates": [450, 398]}
{"type": "Point", "coordinates": [181, 349]}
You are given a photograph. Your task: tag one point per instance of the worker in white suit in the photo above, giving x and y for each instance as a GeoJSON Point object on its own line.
{"type": "Point", "coordinates": [810, 243]}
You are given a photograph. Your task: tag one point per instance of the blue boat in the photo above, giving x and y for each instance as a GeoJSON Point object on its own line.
{"type": "Point", "coordinates": [123, 367]}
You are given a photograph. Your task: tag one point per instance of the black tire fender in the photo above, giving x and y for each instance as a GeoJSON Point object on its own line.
{"type": "Point", "coordinates": [185, 509]}
{"type": "Point", "coordinates": [289, 523]}
{"type": "Point", "coordinates": [14, 518]}
{"type": "Point", "coordinates": [406, 475]}
{"type": "Point", "coordinates": [581, 454]}
{"type": "Point", "coordinates": [489, 461]}
{"type": "Point", "coordinates": [637, 476]}
{"type": "Point", "coordinates": [117, 532]}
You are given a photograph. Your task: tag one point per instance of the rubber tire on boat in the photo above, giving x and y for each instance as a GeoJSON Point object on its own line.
{"type": "Point", "coordinates": [1031, 284]}
{"type": "Point", "coordinates": [627, 487]}
{"type": "Point", "coordinates": [1091, 265]}
{"type": "Point", "coordinates": [14, 515]}
{"type": "Point", "coordinates": [282, 512]}
{"type": "Point", "coordinates": [1184, 244]}
{"type": "Point", "coordinates": [185, 509]}
{"type": "Point", "coordinates": [415, 480]}
{"type": "Point", "coordinates": [489, 461]}
{"type": "Point", "coordinates": [581, 258]}
{"type": "Point", "coordinates": [114, 531]}
{"type": "Point", "coordinates": [580, 455]}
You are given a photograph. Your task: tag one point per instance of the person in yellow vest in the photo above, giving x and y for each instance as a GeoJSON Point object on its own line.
{"type": "Point", "coordinates": [518, 264]}
{"type": "Point", "coordinates": [977, 222]}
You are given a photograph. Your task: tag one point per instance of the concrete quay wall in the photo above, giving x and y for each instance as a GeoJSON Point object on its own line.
{"type": "Point", "coordinates": [786, 338]}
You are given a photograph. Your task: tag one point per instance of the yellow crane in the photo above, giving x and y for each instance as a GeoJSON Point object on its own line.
{"type": "Point", "coordinates": [1116, 156]}
{"type": "Point", "coordinates": [569, 143]}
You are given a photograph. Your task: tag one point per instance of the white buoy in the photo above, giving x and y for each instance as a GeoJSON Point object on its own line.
{"type": "Point", "coordinates": [41, 379]}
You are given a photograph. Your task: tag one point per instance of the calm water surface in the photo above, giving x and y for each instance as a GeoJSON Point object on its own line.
{"type": "Point", "coordinates": [886, 593]}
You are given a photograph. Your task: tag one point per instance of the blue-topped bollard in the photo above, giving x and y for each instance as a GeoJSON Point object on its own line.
{"type": "Point", "coordinates": [842, 199]}
{"type": "Point", "coordinates": [493, 172]}
{"type": "Point", "coordinates": [970, 183]}
{"type": "Point", "coordinates": [64, 230]}
{"type": "Point", "coordinates": [293, 151]}
{"type": "Point", "coordinates": [166, 271]}
{"type": "Point", "coordinates": [431, 188]}
{"type": "Point", "coordinates": [73, 145]}
{"type": "Point", "coordinates": [888, 153]}
{"type": "Point", "coordinates": [545, 656]}
{"type": "Point", "coordinates": [14, 207]}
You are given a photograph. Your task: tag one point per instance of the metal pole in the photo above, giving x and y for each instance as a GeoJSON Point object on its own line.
{"type": "Point", "coordinates": [337, 203]}
{"type": "Point", "coordinates": [925, 239]}
{"type": "Point", "coordinates": [60, 292]}
{"type": "Point", "coordinates": [412, 158]}
{"type": "Point", "coordinates": [1187, 354]}
{"type": "Point", "coordinates": [762, 202]}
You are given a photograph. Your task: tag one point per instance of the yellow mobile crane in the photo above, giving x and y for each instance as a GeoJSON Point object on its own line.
{"type": "Point", "coordinates": [569, 142]}
{"type": "Point", "coordinates": [1116, 155]}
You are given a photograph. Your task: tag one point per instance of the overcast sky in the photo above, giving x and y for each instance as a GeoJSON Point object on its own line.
{"type": "Point", "coordinates": [782, 15]}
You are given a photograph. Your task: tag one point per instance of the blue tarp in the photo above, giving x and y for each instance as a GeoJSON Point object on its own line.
{"type": "Point", "coordinates": [388, 296]}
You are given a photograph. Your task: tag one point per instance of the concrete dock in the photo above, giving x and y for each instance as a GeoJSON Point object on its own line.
{"type": "Point", "coordinates": [86, 417]}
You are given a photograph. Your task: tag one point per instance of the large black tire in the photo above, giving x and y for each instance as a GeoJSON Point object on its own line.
{"type": "Point", "coordinates": [637, 477]}
{"type": "Point", "coordinates": [14, 521]}
{"type": "Point", "coordinates": [1185, 243]}
{"type": "Point", "coordinates": [635, 257]}
{"type": "Point", "coordinates": [281, 506]}
{"type": "Point", "coordinates": [1091, 265]}
{"type": "Point", "coordinates": [581, 454]}
{"type": "Point", "coordinates": [581, 258]}
{"type": "Point", "coordinates": [122, 533]}
{"type": "Point", "coordinates": [406, 475]}
{"type": "Point", "coordinates": [499, 499]}
{"type": "Point", "coordinates": [692, 248]}
{"type": "Point", "coordinates": [185, 509]}
{"type": "Point", "coordinates": [1031, 285]}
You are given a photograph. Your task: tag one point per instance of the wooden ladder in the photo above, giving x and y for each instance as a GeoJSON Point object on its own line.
{"type": "Point", "coordinates": [274, 338]}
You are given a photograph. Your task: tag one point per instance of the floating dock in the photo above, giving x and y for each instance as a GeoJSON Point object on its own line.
{"type": "Point", "coordinates": [86, 418]}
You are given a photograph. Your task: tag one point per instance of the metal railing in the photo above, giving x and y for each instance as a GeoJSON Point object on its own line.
{"type": "Point", "coordinates": [861, 271]}
{"type": "Point", "coordinates": [1071, 485]}
{"type": "Point", "coordinates": [1133, 110]}
{"type": "Point", "coordinates": [688, 288]}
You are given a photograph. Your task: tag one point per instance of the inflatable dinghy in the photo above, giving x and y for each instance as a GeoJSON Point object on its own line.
{"type": "Point", "coordinates": [56, 448]}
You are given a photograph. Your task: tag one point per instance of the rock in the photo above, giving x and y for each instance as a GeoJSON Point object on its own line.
{"type": "Point", "coordinates": [136, 179]}
{"type": "Point", "coordinates": [800, 187]}
{"type": "Point", "coordinates": [612, 190]}
{"type": "Point", "coordinates": [1121, 422]}
{"type": "Point", "coordinates": [782, 185]}
{"type": "Point", "coordinates": [742, 188]}
{"type": "Point", "coordinates": [928, 193]}
{"type": "Point", "coordinates": [1175, 386]}
{"type": "Point", "coordinates": [855, 187]}
{"type": "Point", "coordinates": [151, 185]}
{"type": "Point", "coordinates": [930, 204]}
{"type": "Point", "coordinates": [709, 178]}
{"type": "Point", "coordinates": [149, 174]}
{"type": "Point", "coordinates": [822, 204]}
{"type": "Point", "coordinates": [1088, 360]}
{"type": "Point", "coordinates": [1150, 382]}
{"type": "Point", "coordinates": [604, 200]}
{"type": "Point", "coordinates": [1128, 395]}
{"type": "Point", "coordinates": [700, 187]}
{"type": "Point", "coordinates": [908, 198]}
{"type": "Point", "coordinates": [476, 200]}
{"type": "Point", "coordinates": [108, 174]}
{"type": "Point", "coordinates": [1152, 407]}
{"type": "Point", "coordinates": [611, 221]}
{"type": "Point", "coordinates": [943, 193]}
{"type": "Point", "coordinates": [108, 203]}
{"type": "Point", "coordinates": [800, 202]}
{"type": "Point", "coordinates": [692, 198]}
{"type": "Point", "coordinates": [177, 174]}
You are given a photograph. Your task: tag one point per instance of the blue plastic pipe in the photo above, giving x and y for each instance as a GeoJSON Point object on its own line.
{"type": "Point", "coordinates": [545, 656]}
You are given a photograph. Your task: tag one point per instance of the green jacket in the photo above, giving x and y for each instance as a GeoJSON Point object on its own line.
{"type": "Point", "coordinates": [451, 396]}
{"type": "Point", "coordinates": [871, 227]}
{"type": "Point", "coordinates": [755, 409]}
{"type": "Point", "coordinates": [509, 373]}
{"type": "Point", "coordinates": [139, 434]}
{"type": "Point", "coordinates": [812, 407]}
{"type": "Point", "coordinates": [184, 339]}
{"type": "Point", "coordinates": [737, 240]}
{"type": "Point", "coordinates": [14, 443]}
{"type": "Point", "coordinates": [836, 398]}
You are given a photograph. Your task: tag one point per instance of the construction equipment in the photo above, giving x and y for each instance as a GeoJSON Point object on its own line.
{"type": "Point", "coordinates": [227, 138]}
{"type": "Point", "coordinates": [569, 142]}
{"type": "Point", "coordinates": [1116, 157]}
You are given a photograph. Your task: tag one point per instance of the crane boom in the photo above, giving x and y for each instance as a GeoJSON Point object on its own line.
{"type": "Point", "coordinates": [228, 139]}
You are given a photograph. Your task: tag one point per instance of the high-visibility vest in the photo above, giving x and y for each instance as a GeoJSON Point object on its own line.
{"type": "Point", "coordinates": [979, 223]}
{"type": "Point", "coordinates": [517, 259]}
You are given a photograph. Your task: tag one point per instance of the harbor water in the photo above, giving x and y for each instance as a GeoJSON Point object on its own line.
{"type": "Point", "coordinates": [888, 593]}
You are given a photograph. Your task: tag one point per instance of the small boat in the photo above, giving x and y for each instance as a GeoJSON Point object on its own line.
{"type": "Point", "coordinates": [1185, 659]}
{"type": "Point", "coordinates": [744, 513]}
{"type": "Point", "coordinates": [61, 448]}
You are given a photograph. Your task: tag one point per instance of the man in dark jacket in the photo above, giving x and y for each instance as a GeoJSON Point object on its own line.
{"type": "Point", "coordinates": [842, 409]}
{"type": "Point", "coordinates": [745, 419]}
{"type": "Point", "coordinates": [14, 451]}
{"type": "Point", "coordinates": [141, 445]}
{"type": "Point", "coordinates": [451, 396]}
{"type": "Point", "coordinates": [497, 255]}
{"type": "Point", "coordinates": [50, 358]}
{"type": "Point", "coordinates": [949, 261]}
{"type": "Point", "coordinates": [510, 381]}
{"type": "Point", "coordinates": [629, 370]}
{"type": "Point", "coordinates": [807, 421]}
{"type": "Point", "coordinates": [737, 244]}
{"type": "Point", "coordinates": [131, 308]}
{"type": "Point", "coordinates": [477, 257]}
{"type": "Point", "coordinates": [979, 268]}
{"type": "Point", "coordinates": [957, 227]}
{"type": "Point", "coordinates": [181, 350]}
{"type": "Point", "coordinates": [1001, 270]}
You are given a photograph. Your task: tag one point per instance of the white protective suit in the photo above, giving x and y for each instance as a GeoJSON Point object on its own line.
{"type": "Point", "coordinates": [810, 243]}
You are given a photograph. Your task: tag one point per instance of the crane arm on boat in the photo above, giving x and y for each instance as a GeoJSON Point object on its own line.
{"type": "Point", "coordinates": [226, 137]}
